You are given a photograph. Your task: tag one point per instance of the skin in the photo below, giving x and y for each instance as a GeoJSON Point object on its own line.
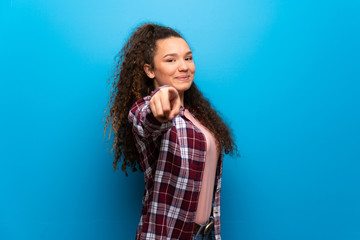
{"type": "Point", "coordinates": [174, 66]}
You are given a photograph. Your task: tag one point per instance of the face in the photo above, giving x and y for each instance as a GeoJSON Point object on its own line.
{"type": "Point", "coordinates": [173, 64]}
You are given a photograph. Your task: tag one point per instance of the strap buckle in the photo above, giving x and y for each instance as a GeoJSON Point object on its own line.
{"type": "Point", "coordinates": [209, 226]}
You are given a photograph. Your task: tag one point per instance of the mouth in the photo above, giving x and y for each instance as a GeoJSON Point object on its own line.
{"type": "Point", "coordinates": [183, 78]}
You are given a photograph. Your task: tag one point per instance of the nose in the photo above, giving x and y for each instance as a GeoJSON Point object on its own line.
{"type": "Point", "coordinates": [183, 66]}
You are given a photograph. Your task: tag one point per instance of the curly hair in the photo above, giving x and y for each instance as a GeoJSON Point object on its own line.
{"type": "Point", "coordinates": [131, 83]}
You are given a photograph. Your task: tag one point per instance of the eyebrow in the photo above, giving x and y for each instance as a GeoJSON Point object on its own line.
{"type": "Point", "coordinates": [175, 54]}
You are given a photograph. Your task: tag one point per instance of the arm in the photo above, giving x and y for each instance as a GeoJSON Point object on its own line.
{"type": "Point", "coordinates": [152, 115]}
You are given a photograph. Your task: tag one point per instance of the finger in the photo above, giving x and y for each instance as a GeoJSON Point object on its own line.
{"type": "Point", "coordinates": [159, 110]}
{"type": "Point", "coordinates": [174, 102]}
{"type": "Point", "coordinates": [155, 112]}
{"type": "Point", "coordinates": [175, 107]}
{"type": "Point", "coordinates": [152, 107]}
{"type": "Point", "coordinates": [165, 104]}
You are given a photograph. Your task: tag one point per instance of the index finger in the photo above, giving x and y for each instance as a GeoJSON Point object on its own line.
{"type": "Point", "coordinates": [175, 107]}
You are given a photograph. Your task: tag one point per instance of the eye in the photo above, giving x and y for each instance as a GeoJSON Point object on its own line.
{"type": "Point", "coordinates": [189, 59]}
{"type": "Point", "coordinates": [170, 60]}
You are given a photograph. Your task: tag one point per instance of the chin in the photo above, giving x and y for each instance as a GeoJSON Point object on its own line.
{"type": "Point", "coordinates": [183, 87]}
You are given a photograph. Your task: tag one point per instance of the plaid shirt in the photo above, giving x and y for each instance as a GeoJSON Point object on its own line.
{"type": "Point", "coordinates": [172, 155]}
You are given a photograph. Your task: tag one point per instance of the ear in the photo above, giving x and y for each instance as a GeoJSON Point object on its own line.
{"type": "Point", "coordinates": [149, 71]}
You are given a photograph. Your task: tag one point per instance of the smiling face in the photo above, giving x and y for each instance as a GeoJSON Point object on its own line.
{"type": "Point", "coordinates": [173, 64]}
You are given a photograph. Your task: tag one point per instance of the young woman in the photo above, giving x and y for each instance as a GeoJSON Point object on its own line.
{"type": "Point", "coordinates": [165, 127]}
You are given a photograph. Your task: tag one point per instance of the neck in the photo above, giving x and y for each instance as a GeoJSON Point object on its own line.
{"type": "Point", "coordinates": [181, 94]}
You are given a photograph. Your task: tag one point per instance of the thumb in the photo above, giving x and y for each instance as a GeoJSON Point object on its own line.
{"type": "Point", "coordinates": [172, 93]}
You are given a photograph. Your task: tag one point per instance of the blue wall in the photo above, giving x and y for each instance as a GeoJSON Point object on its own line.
{"type": "Point", "coordinates": [284, 74]}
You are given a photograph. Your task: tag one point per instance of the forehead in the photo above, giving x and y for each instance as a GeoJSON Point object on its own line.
{"type": "Point", "coordinates": [171, 45]}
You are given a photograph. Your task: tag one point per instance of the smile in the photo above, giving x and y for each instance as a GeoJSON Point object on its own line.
{"type": "Point", "coordinates": [183, 78]}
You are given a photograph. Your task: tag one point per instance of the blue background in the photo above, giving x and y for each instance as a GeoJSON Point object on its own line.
{"type": "Point", "coordinates": [284, 75]}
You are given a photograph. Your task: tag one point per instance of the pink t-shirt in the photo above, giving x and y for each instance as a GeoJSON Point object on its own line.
{"type": "Point", "coordinates": [207, 187]}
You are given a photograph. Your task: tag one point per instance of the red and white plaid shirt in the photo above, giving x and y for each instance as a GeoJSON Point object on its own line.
{"type": "Point", "coordinates": [172, 155]}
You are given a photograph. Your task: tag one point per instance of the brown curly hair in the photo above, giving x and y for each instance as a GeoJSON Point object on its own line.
{"type": "Point", "coordinates": [130, 83]}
